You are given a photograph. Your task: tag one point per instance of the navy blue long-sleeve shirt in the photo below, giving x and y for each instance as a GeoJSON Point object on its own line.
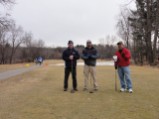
{"type": "Point", "coordinates": [66, 54]}
{"type": "Point", "coordinates": [90, 55]}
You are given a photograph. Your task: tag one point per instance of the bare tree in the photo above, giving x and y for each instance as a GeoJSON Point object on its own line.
{"type": "Point", "coordinates": [16, 39]}
{"type": "Point", "coordinates": [32, 48]}
{"type": "Point", "coordinates": [123, 26]}
{"type": "Point", "coordinates": [4, 20]}
{"type": "Point", "coordinates": [4, 45]}
{"type": "Point", "coordinates": [156, 25]}
{"type": "Point", "coordinates": [38, 46]}
{"type": "Point", "coordinates": [27, 49]}
{"type": "Point", "coordinates": [5, 2]}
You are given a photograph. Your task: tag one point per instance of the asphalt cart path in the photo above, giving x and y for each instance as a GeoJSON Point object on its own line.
{"type": "Point", "coordinates": [11, 73]}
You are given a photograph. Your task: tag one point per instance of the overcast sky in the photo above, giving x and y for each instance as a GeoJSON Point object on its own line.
{"type": "Point", "coordinates": [57, 21]}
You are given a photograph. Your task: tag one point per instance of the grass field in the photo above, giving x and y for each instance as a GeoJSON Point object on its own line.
{"type": "Point", "coordinates": [39, 95]}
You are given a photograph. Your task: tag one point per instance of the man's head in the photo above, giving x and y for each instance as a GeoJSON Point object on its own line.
{"type": "Point", "coordinates": [70, 44]}
{"type": "Point", "coordinates": [120, 45]}
{"type": "Point", "coordinates": [89, 44]}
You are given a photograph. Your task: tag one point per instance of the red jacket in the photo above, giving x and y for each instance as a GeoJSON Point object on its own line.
{"type": "Point", "coordinates": [123, 57]}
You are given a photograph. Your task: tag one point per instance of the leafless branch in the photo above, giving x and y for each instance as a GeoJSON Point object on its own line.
{"type": "Point", "coordinates": [6, 2]}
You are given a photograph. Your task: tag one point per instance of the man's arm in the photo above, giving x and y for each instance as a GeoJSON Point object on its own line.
{"type": "Point", "coordinates": [76, 56]}
{"type": "Point", "coordinates": [84, 55]}
{"type": "Point", "coordinates": [94, 55]}
{"type": "Point", "coordinates": [126, 54]}
{"type": "Point", "coordinates": [65, 57]}
{"type": "Point", "coordinates": [115, 65]}
{"type": "Point", "coordinates": [116, 60]}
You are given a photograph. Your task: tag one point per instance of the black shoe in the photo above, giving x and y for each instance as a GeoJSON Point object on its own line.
{"type": "Point", "coordinates": [65, 90]}
{"type": "Point", "coordinates": [95, 89]}
{"type": "Point", "coordinates": [75, 89]}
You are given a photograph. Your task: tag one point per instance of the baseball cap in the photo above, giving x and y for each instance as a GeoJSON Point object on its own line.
{"type": "Point", "coordinates": [120, 43]}
{"type": "Point", "coordinates": [70, 42]}
{"type": "Point", "coordinates": [89, 41]}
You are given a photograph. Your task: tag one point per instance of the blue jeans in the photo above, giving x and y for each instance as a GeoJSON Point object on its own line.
{"type": "Point", "coordinates": [124, 76]}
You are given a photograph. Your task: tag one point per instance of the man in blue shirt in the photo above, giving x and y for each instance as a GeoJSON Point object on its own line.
{"type": "Point", "coordinates": [90, 55]}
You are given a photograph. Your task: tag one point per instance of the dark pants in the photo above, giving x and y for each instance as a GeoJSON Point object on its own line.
{"type": "Point", "coordinates": [74, 80]}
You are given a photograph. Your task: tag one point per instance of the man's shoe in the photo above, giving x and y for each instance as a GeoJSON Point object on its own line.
{"type": "Point", "coordinates": [75, 89]}
{"type": "Point", "coordinates": [130, 90]}
{"type": "Point", "coordinates": [65, 89]}
{"type": "Point", "coordinates": [122, 90]}
{"type": "Point", "coordinates": [95, 89]}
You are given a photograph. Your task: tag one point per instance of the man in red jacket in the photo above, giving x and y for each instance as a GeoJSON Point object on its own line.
{"type": "Point", "coordinates": [122, 64]}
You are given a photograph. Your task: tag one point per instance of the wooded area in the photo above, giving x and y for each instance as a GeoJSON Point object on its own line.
{"type": "Point", "coordinates": [138, 28]}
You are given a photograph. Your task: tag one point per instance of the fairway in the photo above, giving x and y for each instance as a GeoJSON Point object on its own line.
{"type": "Point", "coordinates": [39, 95]}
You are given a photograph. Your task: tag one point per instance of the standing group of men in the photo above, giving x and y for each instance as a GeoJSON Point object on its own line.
{"type": "Point", "coordinates": [90, 55]}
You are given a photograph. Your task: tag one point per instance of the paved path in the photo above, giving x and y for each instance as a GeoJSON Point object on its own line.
{"type": "Point", "coordinates": [10, 73]}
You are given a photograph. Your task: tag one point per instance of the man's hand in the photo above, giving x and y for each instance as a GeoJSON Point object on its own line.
{"type": "Point", "coordinates": [71, 57]}
{"type": "Point", "coordinates": [115, 58]}
{"type": "Point", "coordinates": [116, 67]}
{"type": "Point", "coordinates": [123, 55]}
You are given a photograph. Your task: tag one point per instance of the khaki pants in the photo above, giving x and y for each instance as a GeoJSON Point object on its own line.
{"type": "Point", "coordinates": [89, 76]}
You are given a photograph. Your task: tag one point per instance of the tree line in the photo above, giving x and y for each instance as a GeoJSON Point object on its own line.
{"type": "Point", "coordinates": [31, 51]}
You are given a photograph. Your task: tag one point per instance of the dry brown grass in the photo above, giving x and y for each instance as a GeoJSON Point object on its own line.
{"type": "Point", "coordinates": [39, 95]}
